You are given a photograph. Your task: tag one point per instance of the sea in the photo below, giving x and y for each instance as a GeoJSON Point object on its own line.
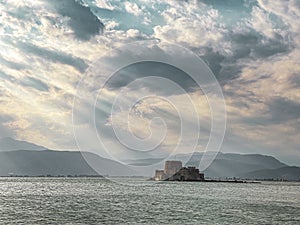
{"type": "Point", "coordinates": [101, 201]}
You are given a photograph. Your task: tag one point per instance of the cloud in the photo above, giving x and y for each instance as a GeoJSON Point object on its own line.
{"type": "Point", "coordinates": [261, 22]}
{"type": "Point", "coordinates": [264, 113]}
{"type": "Point", "coordinates": [196, 28]}
{"type": "Point", "coordinates": [6, 76]}
{"type": "Point", "coordinates": [54, 56]}
{"type": "Point", "coordinates": [82, 21]}
{"type": "Point", "coordinates": [147, 69]}
{"type": "Point", "coordinates": [283, 110]}
{"type": "Point", "coordinates": [12, 65]}
{"type": "Point", "coordinates": [104, 4]}
{"type": "Point", "coordinates": [35, 83]}
{"type": "Point", "coordinates": [133, 8]}
{"type": "Point", "coordinates": [251, 46]}
{"type": "Point", "coordinates": [4, 130]}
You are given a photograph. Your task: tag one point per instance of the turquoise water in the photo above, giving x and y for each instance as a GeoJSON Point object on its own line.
{"type": "Point", "coordinates": [98, 201]}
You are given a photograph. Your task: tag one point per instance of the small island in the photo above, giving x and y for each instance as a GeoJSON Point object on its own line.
{"type": "Point", "coordinates": [174, 171]}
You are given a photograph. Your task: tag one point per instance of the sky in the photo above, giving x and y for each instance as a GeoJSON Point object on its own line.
{"type": "Point", "coordinates": [51, 51]}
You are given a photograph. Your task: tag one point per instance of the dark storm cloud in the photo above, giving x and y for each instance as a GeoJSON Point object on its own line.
{"type": "Point", "coordinates": [35, 83]}
{"type": "Point", "coordinates": [253, 44]}
{"type": "Point", "coordinates": [54, 56]}
{"type": "Point", "coordinates": [224, 68]}
{"type": "Point", "coordinates": [245, 46]}
{"type": "Point", "coordinates": [145, 69]}
{"type": "Point", "coordinates": [279, 110]}
{"type": "Point", "coordinates": [82, 21]}
{"type": "Point", "coordinates": [283, 109]}
{"type": "Point", "coordinates": [246, 43]}
{"type": "Point", "coordinates": [295, 80]}
{"type": "Point", "coordinates": [213, 60]}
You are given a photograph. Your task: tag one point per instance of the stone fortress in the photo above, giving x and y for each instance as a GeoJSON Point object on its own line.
{"type": "Point", "coordinates": [173, 171]}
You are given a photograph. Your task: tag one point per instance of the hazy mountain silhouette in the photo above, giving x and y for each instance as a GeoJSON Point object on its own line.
{"type": "Point", "coordinates": [228, 165]}
{"type": "Point", "coordinates": [10, 144]}
{"type": "Point", "coordinates": [24, 158]}
{"type": "Point", "coordinates": [232, 165]}
{"type": "Point", "coordinates": [48, 162]}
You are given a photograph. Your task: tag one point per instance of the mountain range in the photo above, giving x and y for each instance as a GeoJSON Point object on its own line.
{"type": "Point", "coordinates": [10, 144]}
{"type": "Point", "coordinates": [56, 163]}
{"type": "Point", "coordinates": [24, 158]}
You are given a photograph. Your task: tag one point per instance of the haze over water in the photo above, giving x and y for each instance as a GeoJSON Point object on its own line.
{"type": "Point", "coordinates": [99, 201]}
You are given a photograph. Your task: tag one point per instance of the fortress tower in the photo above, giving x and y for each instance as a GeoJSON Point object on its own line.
{"type": "Point", "coordinates": [172, 167]}
{"type": "Point", "coordinates": [174, 171]}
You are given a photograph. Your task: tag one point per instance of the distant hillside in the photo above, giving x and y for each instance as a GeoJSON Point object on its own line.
{"type": "Point", "coordinates": [24, 158]}
{"type": "Point", "coordinates": [285, 173]}
{"type": "Point", "coordinates": [224, 165]}
{"type": "Point", "coordinates": [35, 163]}
{"type": "Point", "coordinates": [10, 144]}
{"type": "Point", "coordinates": [232, 165]}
